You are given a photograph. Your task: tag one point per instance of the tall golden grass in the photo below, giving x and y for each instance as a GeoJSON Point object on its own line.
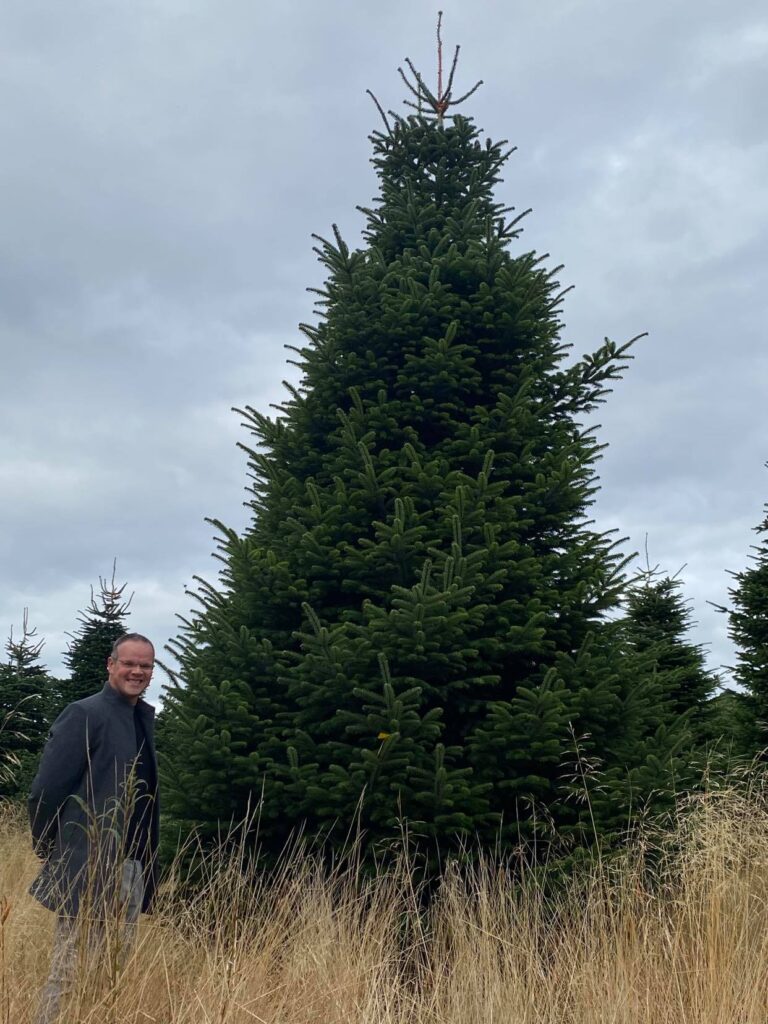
{"type": "Point", "coordinates": [675, 931]}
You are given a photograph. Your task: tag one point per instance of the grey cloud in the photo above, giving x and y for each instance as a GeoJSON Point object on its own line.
{"type": "Point", "coordinates": [165, 163]}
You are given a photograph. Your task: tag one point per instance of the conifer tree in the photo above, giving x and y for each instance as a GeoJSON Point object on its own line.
{"type": "Point", "coordinates": [414, 624]}
{"type": "Point", "coordinates": [749, 631]}
{"type": "Point", "coordinates": [25, 704]}
{"type": "Point", "coordinates": [658, 621]}
{"type": "Point", "coordinates": [733, 726]}
{"type": "Point", "coordinates": [101, 623]}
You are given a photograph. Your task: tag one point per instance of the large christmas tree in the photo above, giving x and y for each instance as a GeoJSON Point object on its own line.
{"type": "Point", "coordinates": [414, 625]}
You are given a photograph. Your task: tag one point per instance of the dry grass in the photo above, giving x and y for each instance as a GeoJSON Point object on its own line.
{"type": "Point", "coordinates": [683, 942]}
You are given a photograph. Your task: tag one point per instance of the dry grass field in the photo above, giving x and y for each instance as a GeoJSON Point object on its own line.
{"type": "Point", "coordinates": [683, 942]}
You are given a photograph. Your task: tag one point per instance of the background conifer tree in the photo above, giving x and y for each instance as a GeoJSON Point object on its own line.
{"type": "Point", "coordinates": [26, 693]}
{"type": "Point", "coordinates": [658, 621]}
{"type": "Point", "coordinates": [414, 624]}
{"type": "Point", "coordinates": [101, 623]}
{"type": "Point", "coordinates": [749, 632]}
{"type": "Point", "coordinates": [733, 726]}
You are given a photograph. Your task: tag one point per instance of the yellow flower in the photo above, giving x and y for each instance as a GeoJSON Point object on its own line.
{"type": "Point", "coordinates": [384, 736]}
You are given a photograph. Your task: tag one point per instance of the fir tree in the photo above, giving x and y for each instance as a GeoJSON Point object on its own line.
{"type": "Point", "coordinates": [749, 632]}
{"type": "Point", "coordinates": [101, 623]}
{"type": "Point", "coordinates": [733, 726]}
{"type": "Point", "coordinates": [25, 705]}
{"type": "Point", "coordinates": [658, 622]}
{"type": "Point", "coordinates": [414, 625]}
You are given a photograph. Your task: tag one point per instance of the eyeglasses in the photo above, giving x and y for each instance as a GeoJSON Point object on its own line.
{"type": "Point", "coordinates": [145, 666]}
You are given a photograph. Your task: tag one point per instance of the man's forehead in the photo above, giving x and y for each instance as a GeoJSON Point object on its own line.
{"type": "Point", "coordinates": [135, 648]}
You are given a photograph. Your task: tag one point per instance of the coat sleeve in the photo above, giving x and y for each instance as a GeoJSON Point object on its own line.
{"type": "Point", "coordinates": [62, 767]}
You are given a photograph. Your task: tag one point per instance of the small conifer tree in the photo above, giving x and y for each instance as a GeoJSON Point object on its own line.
{"type": "Point", "coordinates": [658, 622]}
{"type": "Point", "coordinates": [733, 727]}
{"type": "Point", "coordinates": [26, 690]}
{"type": "Point", "coordinates": [749, 632]}
{"type": "Point", "coordinates": [101, 623]}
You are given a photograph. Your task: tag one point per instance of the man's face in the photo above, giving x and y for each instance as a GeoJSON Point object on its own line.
{"type": "Point", "coordinates": [129, 673]}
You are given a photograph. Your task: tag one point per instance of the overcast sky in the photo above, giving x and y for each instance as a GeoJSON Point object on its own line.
{"type": "Point", "coordinates": [164, 163]}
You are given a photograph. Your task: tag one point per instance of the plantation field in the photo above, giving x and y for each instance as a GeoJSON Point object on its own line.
{"type": "Point", "coordinates": [675, 933]}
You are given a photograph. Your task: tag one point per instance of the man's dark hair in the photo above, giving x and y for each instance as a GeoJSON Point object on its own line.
{"type": "Point", "coordinates": [129, 636]}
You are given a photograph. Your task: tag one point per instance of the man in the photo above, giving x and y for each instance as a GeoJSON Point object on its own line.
{"type": "Point", "coordinates": [94, 815]}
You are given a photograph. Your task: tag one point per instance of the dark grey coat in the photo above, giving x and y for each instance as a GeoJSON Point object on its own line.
{"type": "Point", "coordinates": [79, 797]}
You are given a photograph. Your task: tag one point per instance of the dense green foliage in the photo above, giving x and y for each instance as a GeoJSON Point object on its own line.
{"type": "Point", "coordinates": [26, 692]}
{"type": "Point", "coordinates": [658, 624]}
{"type": "Point", "coordinates": [732, 727]}
{"type": "Point", "coordinates": [749, 632]}
{"type": "Point", "coordinates": [414, 627]}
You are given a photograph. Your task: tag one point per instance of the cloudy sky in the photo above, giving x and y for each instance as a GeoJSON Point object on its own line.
{"type": "Point", "coordinates": [164, 163]}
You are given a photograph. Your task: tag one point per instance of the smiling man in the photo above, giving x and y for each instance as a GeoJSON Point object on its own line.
{"type": "Point", "coordinates": [94, 815]}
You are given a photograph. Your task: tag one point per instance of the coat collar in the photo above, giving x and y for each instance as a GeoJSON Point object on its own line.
{"type": "Point", "coordinates": [110, 693]}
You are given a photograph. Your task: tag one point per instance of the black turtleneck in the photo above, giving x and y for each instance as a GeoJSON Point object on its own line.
{"type": "Point", "coordinates": [146, 788]}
